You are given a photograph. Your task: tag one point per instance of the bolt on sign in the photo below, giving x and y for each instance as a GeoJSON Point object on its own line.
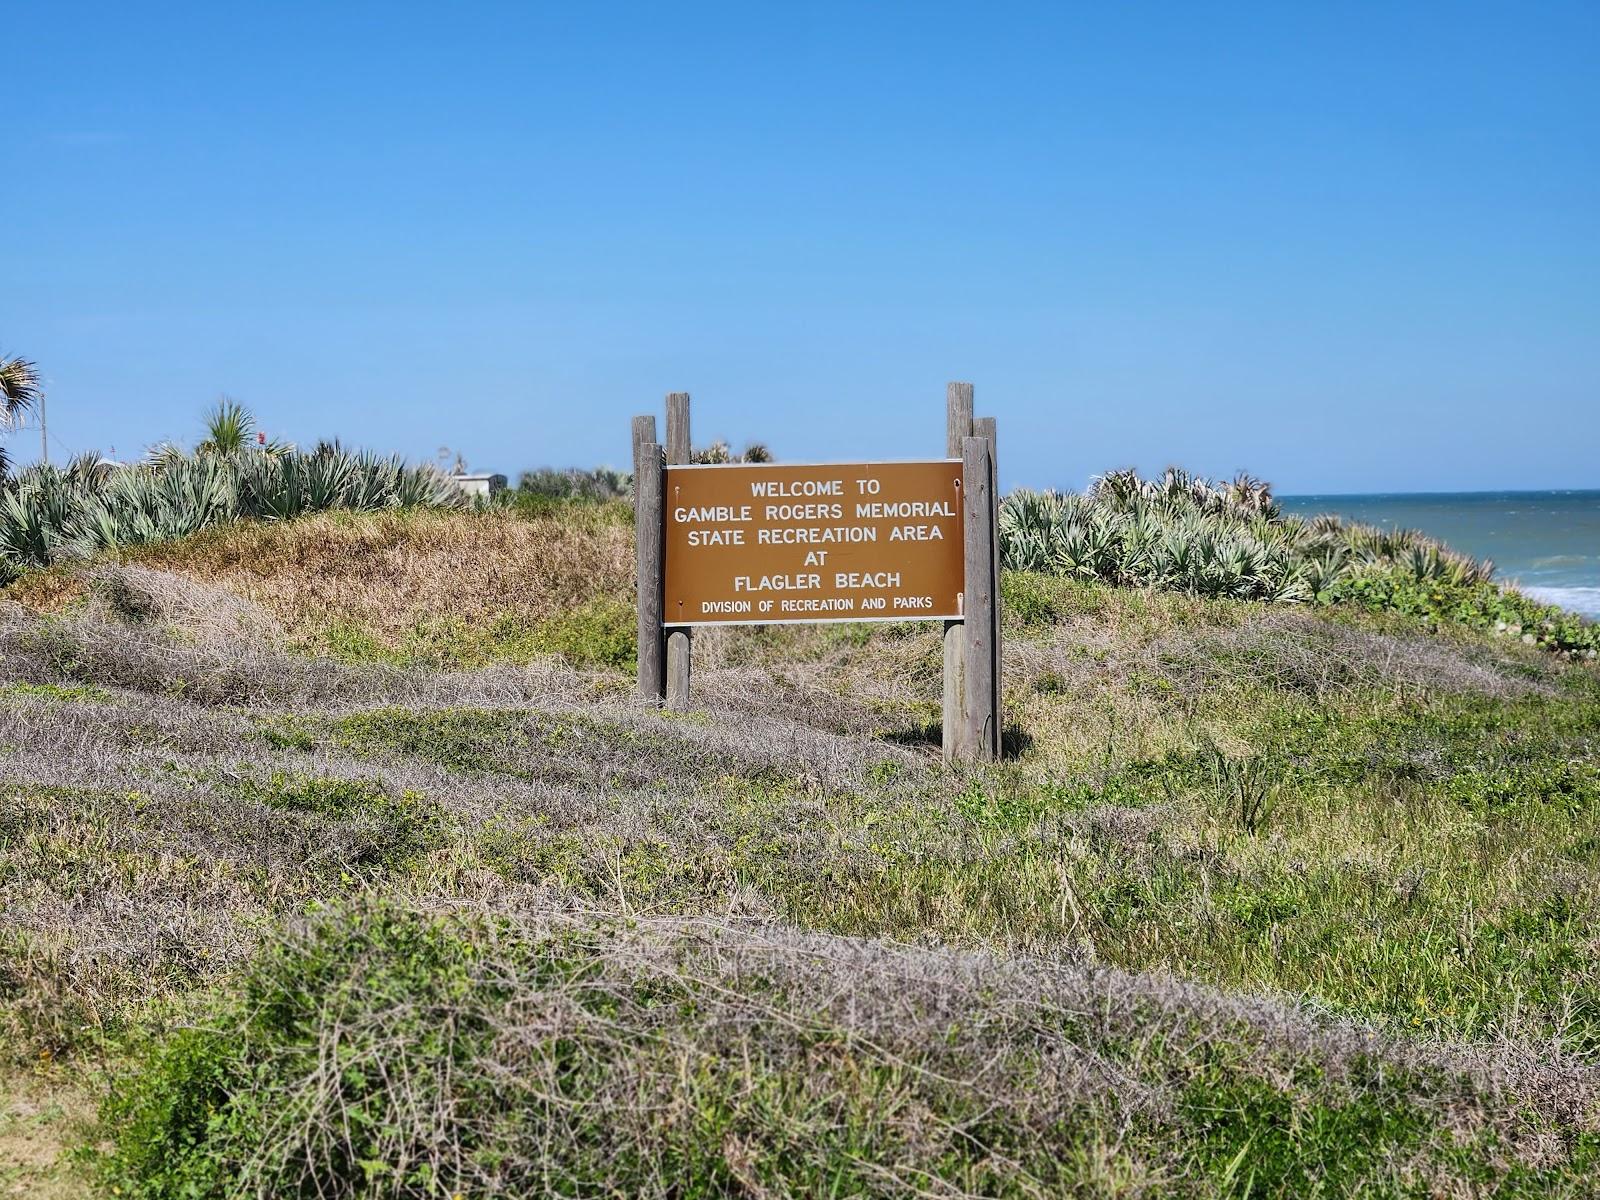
{"type": "Point", "coordinates": [764, 543]}
{"type": "Point", "coordinates": [759, 544]}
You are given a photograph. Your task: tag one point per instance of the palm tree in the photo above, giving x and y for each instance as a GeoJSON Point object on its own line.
{"type": "Point", "coordinates": [230, 426]}
{"type": "Point", "coordinates": [19, 391]}
{"type": "Point", "coordinates": [720, 452]}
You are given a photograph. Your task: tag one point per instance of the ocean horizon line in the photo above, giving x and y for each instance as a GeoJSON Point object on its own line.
{"type": "Point", "coordinates": [1488, 493]}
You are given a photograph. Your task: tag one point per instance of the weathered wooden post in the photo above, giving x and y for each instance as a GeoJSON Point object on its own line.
{"type": "Point", "coordinates": [958, 427]}
{"type": "Point", "coordinates": [988, 427]}
{"type": "Point", "coordinates": [648, 525]}
{"type": "Point", "coordinates": [679, 641]}
{"type": "Point", "coordinates": [979, 737]}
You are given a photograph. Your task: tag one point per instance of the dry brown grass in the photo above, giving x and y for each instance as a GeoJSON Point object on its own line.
{"type": "Point", "coordinates": [388, 574]}
{"type": "Point", "coordinates": [49, 591]}
{"type": "Point", "coordinates": [195, 663]}
{"type": "Point", "coordinates": [40, 1115]}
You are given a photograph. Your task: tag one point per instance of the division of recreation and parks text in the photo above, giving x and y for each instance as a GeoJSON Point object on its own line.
{"type": "Point", "coordinates": [763, 543]}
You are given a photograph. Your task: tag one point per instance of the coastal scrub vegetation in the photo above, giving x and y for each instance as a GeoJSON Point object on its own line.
{"type": "Point", "coordinates": [52, 514]}
{"type": "Point", "coordinates": [1186, 533]}
{"type": "Point", "coordinates": [1268, 900]}
{"type": "Point", "coordinates": [385, 1050]}
{"type": "Point", "coordinates": [541, 489]}
{"type": "Point", "coordinates": [1178, 532]}
{"type": "Point", "coordinates": [336, 858]}
{"type": "Point", "coordinates": [550, 485]}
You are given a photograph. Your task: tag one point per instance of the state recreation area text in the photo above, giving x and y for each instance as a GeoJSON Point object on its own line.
{"type": "Point", "coordinates": [754, 548]}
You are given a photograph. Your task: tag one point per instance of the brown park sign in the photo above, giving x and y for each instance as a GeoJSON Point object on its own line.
{"type": "Point", "coordinates": [762, 543]}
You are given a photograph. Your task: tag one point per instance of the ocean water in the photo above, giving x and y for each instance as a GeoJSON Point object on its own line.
{"type": "Point", "coordinates": [1548, 543]}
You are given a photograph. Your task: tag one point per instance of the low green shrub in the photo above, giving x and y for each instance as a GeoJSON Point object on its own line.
{"type": "Point", "coordinates": [1188, 534]}
{"type": "Point", "coordinates": [64, 693]}
{"type": "Point", "coordinates": [1031, 599]}
{"type": "Point", "coordinates": [1477, 605]}
{"type": "Point", "coordinates": [396, 827]}
{"type": "Point", "coordinates": [600, 633]}
{"type": "Point", "coordinates": [382, 1051]}
{"type": "Point", "coordinates": [549, 484]}
{"type": "Point", "coordinates": [349, 642]}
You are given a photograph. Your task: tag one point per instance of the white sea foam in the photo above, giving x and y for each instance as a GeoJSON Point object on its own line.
{"type": "Point", "coordinates": [1585, 600]}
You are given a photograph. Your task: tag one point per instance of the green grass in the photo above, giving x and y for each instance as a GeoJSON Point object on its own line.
{"type": "Point", "coordinates": [1429, 864]}
{"type": "Point", "coordinates": [599, 634]}
{"type": "Point", "coordinates": [396, 828]}
{"type": "Point", "coordinates": [513, 742]}
{"type": "Point", "coordinates": [1033, 600]}
{"type": "Point", "coordinates": [61, 693]}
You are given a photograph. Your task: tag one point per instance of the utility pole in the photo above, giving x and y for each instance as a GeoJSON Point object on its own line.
{"type": "Point", "coordinates": [44, 437]}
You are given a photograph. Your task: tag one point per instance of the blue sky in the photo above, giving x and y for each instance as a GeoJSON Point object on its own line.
{"type": "Point", "coordinates": [1347, 247]}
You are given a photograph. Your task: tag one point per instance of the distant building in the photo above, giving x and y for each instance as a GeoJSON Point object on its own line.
{"type": "Point", "coordinates": [480, 483]}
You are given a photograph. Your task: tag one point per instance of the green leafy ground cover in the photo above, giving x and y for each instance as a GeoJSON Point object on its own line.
{"type": "Point", "coordinates": [1269, 901]}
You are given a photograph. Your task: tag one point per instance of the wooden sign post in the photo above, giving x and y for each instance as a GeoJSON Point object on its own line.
{"type": "Point", "coordinates": [765, 543]}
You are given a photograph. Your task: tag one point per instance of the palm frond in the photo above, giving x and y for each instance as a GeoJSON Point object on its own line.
{"type": "Point", "coordinates": [52, 513]}
{"type": "Point", "coordinates": [228, 426]}
{"type": "Point", "coordinates": [1183, 532]}
{"type": "Point", "coordinates": [20, 389]}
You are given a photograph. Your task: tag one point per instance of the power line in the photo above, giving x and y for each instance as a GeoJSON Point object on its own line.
{"type": "Point", "coordinates": [45, 437]}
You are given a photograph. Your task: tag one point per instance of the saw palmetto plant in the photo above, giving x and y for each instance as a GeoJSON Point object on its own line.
{"type": "Point", "coordinates": [1182, 532]}
{"type": "Point", "coordinates": [49, 514]}
{"type": "Point", "coordinates": [231, 428]}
